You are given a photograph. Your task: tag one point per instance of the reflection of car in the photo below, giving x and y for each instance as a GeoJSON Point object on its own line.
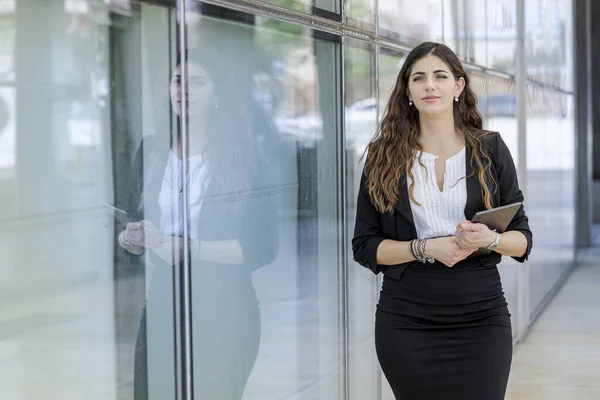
{"type": "Point", "coordinates": [306, 130]}
{"type": "Point", "coordinates": [498, 105]}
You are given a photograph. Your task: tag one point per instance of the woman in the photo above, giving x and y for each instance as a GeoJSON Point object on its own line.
{"type": "Point", "coordinates": [233, 228]}
{"type": "Point", "coordinates": [442, 324]}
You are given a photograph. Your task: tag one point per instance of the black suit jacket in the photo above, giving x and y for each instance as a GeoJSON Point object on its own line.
{"type": "Point", "coordinates": [372, 227]}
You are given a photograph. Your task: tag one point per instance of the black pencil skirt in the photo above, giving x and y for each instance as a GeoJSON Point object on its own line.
{"type": "Point", "coordinates": [444, 334]}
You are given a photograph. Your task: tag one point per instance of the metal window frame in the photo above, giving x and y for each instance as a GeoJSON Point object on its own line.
{"type": "Point", "coordinates": [184, 297]}
{"type": "Point", "coordinates": [524, 271]}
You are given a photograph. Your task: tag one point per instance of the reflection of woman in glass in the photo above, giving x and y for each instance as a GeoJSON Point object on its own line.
{"type": "Point", "coordinates": [442, 325]}
{"type": "Point", "coordinates": [231, 217]}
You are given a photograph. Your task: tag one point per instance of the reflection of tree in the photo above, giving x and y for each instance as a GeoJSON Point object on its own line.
{"type": "Point", "coordinates": [389, 67]}
{"type": "Point", "coordinates": [544, 60]}
{"type": "Point", "coordinates": [504, 63]}
{"type": "Point", "coordinates": [290, 32]}
{"type": "Point", "coordinates": [359, 10]}
{"type": "Point", "coordinates": [410, 21]}
{"type": "Point", "coordinates": [358, 63]}
{"type": "Point", "coordinates": [542, 56]}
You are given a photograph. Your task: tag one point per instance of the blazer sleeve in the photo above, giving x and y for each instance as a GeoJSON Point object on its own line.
{"type": "Point", "coordinates": [509, 191]}
{"type": "Point", "coordinates": [367, 230]}
{"type": "Point", "coordinates": [249, 217]}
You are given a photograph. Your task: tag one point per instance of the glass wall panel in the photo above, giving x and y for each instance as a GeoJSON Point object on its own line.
{"type": "Point", "coordinates": [482, 31]}
{"type": "Point", "coordinates": [465, 29]}
{"type": "Point", "coordinates": [390, 63]}
{"type": "Point", "coordinates": [314, 7]}
{"type": "Point", "coordinates": [479, 84]}
{"type": "Point", "coordinates": [74, 274]}
{"type": "Point", "coordinates": [91, 187]}
{"type": "Point", "coordinates": [568, 181]}
{"type": "Point", "coordinates": [501, 34]}
{"type": "Point", "coordinates": [266, 275]}
{"type": "Point", "coordinates": [361, 13]}
{"type": "Point", "coordinates": [549, 43]}
{"type": "Point", "coordinates": [363, 291]}
{"type": "Point", "coordinates": [544, 166]}
{"type": "Point", "coordinates": [411, 22]}
{"type": "Point", "coordinates": [498, 106]}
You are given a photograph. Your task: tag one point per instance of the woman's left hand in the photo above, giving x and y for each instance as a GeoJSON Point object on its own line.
{"type": "Point", "coordinates": [471, 235]}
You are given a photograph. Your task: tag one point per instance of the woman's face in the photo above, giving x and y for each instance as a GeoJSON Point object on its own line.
{"type": "Point", "coordinates": [200, 94]}
{"type": "Point", "coordinates": [432, 87]}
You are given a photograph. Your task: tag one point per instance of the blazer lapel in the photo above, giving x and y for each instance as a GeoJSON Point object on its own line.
{"type": "Point", "coordinates": [474, 199]}
{"type": "Point", "coordinates": [403, 204]}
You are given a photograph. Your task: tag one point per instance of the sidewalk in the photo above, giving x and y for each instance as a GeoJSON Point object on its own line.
{"type": "Point", "coordinates": [560, 358]}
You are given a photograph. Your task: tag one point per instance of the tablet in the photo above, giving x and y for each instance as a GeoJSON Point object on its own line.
{"type": "Point", "coordinates": [120, 215]}
{"type": "Point", "coordinates": [497, 218]}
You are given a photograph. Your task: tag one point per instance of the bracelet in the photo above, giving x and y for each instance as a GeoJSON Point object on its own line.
{"type": "Point", "coordinates": [417, 250]}
{"type": "Point", "coordinates": [125, 242]}
{"type": "Point", "coordinates": [414, 249]}
{"type": "Point", "coordinates": [430, 260]}
{"type": "Point", "coordinates": [411, 249]}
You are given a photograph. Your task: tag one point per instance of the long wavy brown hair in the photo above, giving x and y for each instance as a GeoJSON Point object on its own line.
{"type": "Point", "coordinates": [392, 150]}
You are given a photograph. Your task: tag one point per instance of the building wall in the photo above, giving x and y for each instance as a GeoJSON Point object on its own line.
{"type": "Point", "coordinates": [82, 82]}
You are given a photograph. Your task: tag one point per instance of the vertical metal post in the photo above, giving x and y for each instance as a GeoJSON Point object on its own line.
{"type": "Point", "coordinates": [377, 279]}
{"type": "Point", "coordinates": [185, 298]}
{"type": "Point", "coordinates": [343, 213]}
{"type": "Point", "coordinates": [523, 286]}
{"type": "Point", "coordinates": [343, 187]}
{"type": "Point", "coordinates": [582, 112]}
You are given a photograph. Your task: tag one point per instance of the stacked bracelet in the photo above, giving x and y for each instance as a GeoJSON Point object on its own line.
{"type": "Point", "coordinates": [124, 241]}
{"type": "Point", "coordinates": [417, 249]}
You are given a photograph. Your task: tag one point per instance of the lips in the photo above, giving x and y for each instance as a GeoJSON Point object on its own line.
{"type": "Point", "coordinates": [430, 99]}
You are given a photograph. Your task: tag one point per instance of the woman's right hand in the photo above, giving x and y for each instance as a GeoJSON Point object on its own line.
{"type": "Point", "coordinates": [446, 250]}
{"type": "Point", "coordinates": [137, 236]}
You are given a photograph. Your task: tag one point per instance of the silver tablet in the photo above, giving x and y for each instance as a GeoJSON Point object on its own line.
{"type": "Point", "coordinates": [497, 218]}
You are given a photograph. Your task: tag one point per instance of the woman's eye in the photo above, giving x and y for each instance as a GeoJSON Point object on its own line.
{"type": "Point", "coordinates": [418, 78]}
{"type": "Point", "coordinates": [441, 76]}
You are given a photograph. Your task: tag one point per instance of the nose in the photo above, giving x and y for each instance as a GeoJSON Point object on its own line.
{"type": "Point", "coordinates": [429, 84]}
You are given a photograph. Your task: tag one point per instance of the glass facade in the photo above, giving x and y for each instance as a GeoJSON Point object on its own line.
{"type": "Point", "coordinates": [252, 276]}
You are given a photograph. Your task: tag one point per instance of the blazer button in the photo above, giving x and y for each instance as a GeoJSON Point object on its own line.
{"type": "Point", "coordinates": [368, 265]}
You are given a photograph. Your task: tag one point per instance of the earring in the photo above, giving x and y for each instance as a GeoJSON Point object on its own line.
{"type": "Point", "coordinates": [456, 99]}
{"type": "Point", "coordinates": [410, 102]}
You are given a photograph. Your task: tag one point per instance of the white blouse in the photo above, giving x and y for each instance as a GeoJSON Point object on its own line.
{"type": "Point", "coordinates": [170, 197]}
{"type": "Point", "coordinates": [439, 211]}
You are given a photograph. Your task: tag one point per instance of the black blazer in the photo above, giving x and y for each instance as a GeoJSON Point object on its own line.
{"type": "Point", "coordinates": [372, 227]}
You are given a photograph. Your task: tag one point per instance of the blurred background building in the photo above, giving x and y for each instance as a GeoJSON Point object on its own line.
{"type": "Point", "coordinates": [82, 81]}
